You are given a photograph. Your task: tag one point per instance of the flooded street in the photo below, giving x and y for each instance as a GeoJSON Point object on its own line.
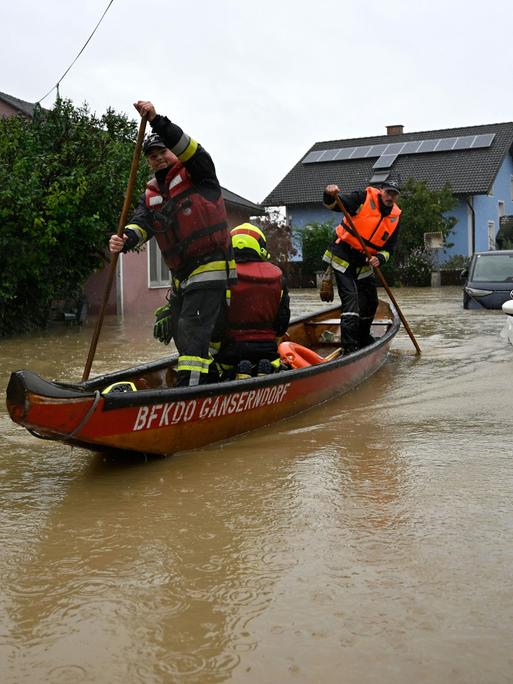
{"type": "Point", "coordinates": [368, 540]}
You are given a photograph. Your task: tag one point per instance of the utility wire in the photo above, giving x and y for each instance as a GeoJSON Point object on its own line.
{"type": "Point", "coordinates": [73, 62]}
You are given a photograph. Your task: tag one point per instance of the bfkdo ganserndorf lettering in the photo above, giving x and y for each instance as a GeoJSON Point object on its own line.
{"type": "Point", "coordinates": [171, 413]}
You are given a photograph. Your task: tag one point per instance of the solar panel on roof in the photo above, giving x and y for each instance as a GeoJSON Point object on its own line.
{"type": "Point", "coordinates": [311, 157]}
{"type": "Point", "coordinates": [377, 150]}
{"type": "Point", "coordinates": [394, 148]}
{"type": "Point", "coordinates": [361, 152]}
{"type": "Point", "coordinates": [411, 147]}
{"type": "Point", "coordinates": [344, 153]}
{"type": "Point", "coordinates": [390, 151]}
{"type": "Point", "coordinates": [483, 140]}
{"type": "Point", "coordinates": [385, 161]}
{"type": "Point", "coordinates": [330, 155]}
{"type": "Point", "coordinates": [445, 144]}
{"type": "Point", "coordinates": [428, 145]}
{"type": "Point", "coordinates": [464, 142]}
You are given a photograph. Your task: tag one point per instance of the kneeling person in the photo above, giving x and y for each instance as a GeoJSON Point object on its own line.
{"type": "Point", "coordinates": [259, 310]}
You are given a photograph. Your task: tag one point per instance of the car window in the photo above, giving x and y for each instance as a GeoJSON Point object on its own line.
{"type": "Point", "coordinates": [496, 268]}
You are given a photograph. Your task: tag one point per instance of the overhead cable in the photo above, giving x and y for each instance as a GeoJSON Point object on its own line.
{"type": "Point", "coordinates": [73, 62]}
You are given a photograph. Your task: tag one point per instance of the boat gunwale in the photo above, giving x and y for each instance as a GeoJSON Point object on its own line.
{"type": "Point", "coordinates": [141, 397]}
{"type": "Point", "coordinates": [86, 390]}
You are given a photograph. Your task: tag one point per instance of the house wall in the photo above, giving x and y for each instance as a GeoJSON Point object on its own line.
{"type": "Point", "coordinates": [487, 206]}
{"type": "Point", "coordinates": [7, 110]}
{"type": "Point", "coordinates": [460, 238]}
{"type": "Point", "coordinates": [94, 291]}
{"type": "Point", "coordinates": [300, 215]}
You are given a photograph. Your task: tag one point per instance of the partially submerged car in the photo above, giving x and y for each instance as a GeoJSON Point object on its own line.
{"type": "Point", "coordinates": [489, 280]}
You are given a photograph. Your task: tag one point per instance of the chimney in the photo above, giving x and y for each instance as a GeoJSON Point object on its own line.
{"type": "Point", "coordinates": [397, 129]}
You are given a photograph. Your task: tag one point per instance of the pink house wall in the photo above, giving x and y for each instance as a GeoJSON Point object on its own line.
{"type": "Point", "coordinates": [7, 110]}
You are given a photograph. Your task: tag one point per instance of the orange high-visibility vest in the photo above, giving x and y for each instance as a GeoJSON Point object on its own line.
{"type": "Point", "coordinates": [374, 229]}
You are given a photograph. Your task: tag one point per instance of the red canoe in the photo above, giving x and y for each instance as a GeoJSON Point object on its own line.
{"type": "Point", "coordinates": [158, 418]}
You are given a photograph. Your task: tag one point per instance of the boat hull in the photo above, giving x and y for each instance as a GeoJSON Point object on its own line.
{"type": "Point", "coordinates": [167, 420]}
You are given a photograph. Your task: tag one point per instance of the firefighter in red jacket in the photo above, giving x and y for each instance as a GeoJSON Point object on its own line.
{"type": "Point", "coordinates": [376, 217]}
{"type": "Point", "coordinates": [259, 309]}
{"type": "Point", "coordinates": [183, 209]}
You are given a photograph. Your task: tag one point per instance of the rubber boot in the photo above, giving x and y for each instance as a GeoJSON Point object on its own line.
{"type": "Point", "coordinates": [265, 367]}
{"type": "Point", "coordinates": [244, 370]}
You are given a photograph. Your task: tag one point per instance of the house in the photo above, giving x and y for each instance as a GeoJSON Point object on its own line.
{"type": "Point", "coordinates": [142, 278]}
{"type": "Point", "coordinates": [11, 106]}
{"type": "Point", "coordinates": [476, 161]}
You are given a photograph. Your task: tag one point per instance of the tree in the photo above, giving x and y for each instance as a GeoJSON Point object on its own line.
{"type": "Point", "coordinates": [423, 211]}
{"type": "Point", "coordinates": [62, 180]}
{"type": "Point", "coordinates": [317, 237]}
{"type": "Point", "coordinates": [278, 235]}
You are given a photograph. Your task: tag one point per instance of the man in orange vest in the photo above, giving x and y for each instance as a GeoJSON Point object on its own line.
{"type": "Point", "coordinates": [376, 217]}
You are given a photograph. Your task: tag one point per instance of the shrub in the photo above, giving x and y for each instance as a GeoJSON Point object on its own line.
{"type": "Point", "coordinates": [316, 238]}
{"type": "Point", "coordinates": [456, 262]}
{"type": "Point", "coordinates": [62, 182]}
{"type": "Point", "coordinates": [416, 271]}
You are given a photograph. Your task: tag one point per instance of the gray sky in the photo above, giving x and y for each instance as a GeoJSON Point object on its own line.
{"type": "Point", "coordinates": [257, 83]}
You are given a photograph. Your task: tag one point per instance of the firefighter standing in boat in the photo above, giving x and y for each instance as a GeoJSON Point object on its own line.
{"type": "Point", "coordinates": [376, 217]}
{"type": "Point", "coordinates": [183, 209]}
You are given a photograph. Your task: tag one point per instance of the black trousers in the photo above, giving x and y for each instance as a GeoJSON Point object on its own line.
{"type": "Point", "coordinates": [359, 299]}
{"type": "Point", "coordinates": [194, 316]}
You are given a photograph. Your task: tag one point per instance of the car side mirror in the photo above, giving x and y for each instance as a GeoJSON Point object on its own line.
{"type": "Point", "coordinates": [463, 273]}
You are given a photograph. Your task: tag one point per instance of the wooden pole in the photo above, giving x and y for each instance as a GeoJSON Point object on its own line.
{"type": "Point", "coordinates": [114, 258]}
{"type": "Point", "coordinates": [378, 271]}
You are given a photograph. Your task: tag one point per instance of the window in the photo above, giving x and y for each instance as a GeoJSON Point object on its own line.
{"type": "Point", "coordinates": [495, 268]}
{"type": "Point", "coordinates": [511, 179]}
{"type": "Point", "coordinates": [491, 235]}
{"type": "Point", "coordinates": [502, 209]}
{"type": "Point", "coordinates": [158, 272]}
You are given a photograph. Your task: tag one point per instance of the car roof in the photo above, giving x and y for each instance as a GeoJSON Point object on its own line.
{"type": "Point", "coordinates": [495, 252]}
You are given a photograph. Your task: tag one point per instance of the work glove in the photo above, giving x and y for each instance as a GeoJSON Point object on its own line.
{"type": "Point", "coordinates": [162, 329]}
{"type": "Point", "coordinates": [326, 288]}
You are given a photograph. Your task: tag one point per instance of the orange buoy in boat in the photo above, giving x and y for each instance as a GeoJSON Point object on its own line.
{"type": "Point", "coordinates": [298, 356]}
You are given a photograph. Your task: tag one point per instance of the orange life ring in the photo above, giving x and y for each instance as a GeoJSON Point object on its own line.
{"type": "Point", "coordinates": [298, 356]}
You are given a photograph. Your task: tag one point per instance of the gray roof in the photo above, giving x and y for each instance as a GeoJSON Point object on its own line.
{"type": "Point", "coordinates": [238, 201]}
{"type": "Point", "coordinates": [469, 171]}
{"type": "Point", "coordinates": [22, 106]}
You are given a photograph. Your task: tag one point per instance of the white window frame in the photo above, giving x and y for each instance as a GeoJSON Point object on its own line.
{"type": "Point", "coordinates": [501, 207]}
{"type": "Point", "coordinates": [491, 235]}
{"type": "Point", "coordinates": [158, 272]}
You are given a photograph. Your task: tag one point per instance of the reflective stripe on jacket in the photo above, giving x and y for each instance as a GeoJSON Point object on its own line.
{"type": "Point", "coordinates": [187, 226]}
{"type": "Point", "coordinates": [255, 301]}
{"type": "Point", "coordinates": [374, 228]}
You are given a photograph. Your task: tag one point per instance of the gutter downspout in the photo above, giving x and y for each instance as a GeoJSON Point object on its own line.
{"type": "Point", "coordinates": [473, 232]}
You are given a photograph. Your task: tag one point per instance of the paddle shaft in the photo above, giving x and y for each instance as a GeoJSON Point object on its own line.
{"type": "Point", "coordinates": [114, 258]}
{"type": "Point", "coordinates": [377, 270]}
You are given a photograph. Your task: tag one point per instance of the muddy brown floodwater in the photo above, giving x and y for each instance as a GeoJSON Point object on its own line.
{"type": "Point", "coordinates": [369, 540]}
